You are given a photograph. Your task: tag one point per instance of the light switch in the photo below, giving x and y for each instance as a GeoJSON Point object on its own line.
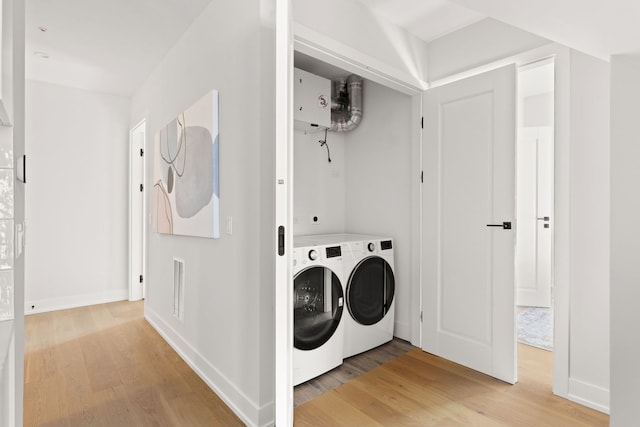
{"type": "Point", "coordinates": [19, 239]}
{"type": "Point", "coordinates": [229, 225]}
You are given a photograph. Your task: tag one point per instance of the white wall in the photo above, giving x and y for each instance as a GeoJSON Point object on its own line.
{"type": "Point", "coordinates": [477, 44]}
{"type": "Point", "coordinates": [367, 186]}
{"type": "Point", "coordinates": [378, 178]}
{"type": "Point", "coordinates": [319, 186]}
{"type": "Point", "coordinates": [625, 240]}
{"type": "Point", "coordinates": [227, 331]}
{"type": "Point", "coordinates": [77, 147]}
{"type": "Point", "coordinates": [589, 207]}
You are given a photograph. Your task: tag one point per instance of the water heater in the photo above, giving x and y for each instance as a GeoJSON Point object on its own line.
{"type": "Point", "coordinates": [311, 101]}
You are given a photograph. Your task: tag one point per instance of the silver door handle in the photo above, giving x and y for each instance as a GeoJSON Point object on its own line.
{"type": "Point", "coordinates": [544, 218]}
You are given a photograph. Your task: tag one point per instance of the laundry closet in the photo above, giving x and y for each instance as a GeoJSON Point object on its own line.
{"type": "Point", "coordinates": [354, 184]}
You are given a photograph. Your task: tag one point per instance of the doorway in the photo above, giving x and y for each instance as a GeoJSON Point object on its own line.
{"type": "Point", "coordinates": [374, 171]}
{"type": "Point", "coordinates": [361, 185]}
{"type": "Point", "coordinates": [137, 137]}
{"type": "Point", "coordinates": [534, 204]}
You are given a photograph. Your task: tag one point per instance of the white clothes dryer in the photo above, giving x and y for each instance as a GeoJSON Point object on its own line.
{"type": "Point", "coordinates": [318, 306]}
{"type": "Point", "coordinates": [370, 291]}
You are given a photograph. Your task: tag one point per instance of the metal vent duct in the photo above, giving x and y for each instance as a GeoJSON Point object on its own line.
{"type": "Point", "coordinates": [346, 104]}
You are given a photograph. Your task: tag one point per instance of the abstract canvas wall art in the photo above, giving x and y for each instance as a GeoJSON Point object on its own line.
{"type": "Point", "coordinates": [186, 189]}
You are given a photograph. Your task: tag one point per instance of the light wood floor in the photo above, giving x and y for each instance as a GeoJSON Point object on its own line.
{"type": "Point", "coordinates": [419, 389]}
{"type": "Point", "coordinates": [104, 365]}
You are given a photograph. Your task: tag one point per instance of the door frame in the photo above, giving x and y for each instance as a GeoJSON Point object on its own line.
{"type": "Point", "coordinates": [13, 14]}
{"type": "Point", "coordinates": [137, 211]}
{"type": "Point", "coordinates": [283, 193]}
{"type": "Point", "coordinates": [532, 66]}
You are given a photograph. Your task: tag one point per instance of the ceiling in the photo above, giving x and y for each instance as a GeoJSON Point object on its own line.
{"type": "Point", "coordinates": [599, 28]}
{"type": "Point", "coordinates": [426, 19]}
{"type": "Point", "coordinates": [111, 46]}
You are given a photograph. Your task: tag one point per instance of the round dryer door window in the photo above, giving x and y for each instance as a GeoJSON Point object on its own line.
{"type": "Point", "coordinates": [370, 290]}
{"type": "Point", "coordinates": [317, 307]}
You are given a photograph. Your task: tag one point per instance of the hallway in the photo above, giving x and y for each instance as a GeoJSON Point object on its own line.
{"type": "Point", "coordinates": [104, 365]}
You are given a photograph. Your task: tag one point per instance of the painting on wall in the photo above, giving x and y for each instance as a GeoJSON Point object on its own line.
{"type": "Point", "coordinates": [186, 189]}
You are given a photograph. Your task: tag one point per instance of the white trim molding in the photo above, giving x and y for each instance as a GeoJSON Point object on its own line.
{"type": "Point", "coordinates": [75, 301]}
{"type": "Point", "coordinates": [589, 395]}
{"type": "Point", "coordinates": [244, 407]}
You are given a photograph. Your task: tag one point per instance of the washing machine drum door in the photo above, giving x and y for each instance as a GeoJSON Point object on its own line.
{"type": "Point", "coordinates": [317, 307]}
{"type": "Point", "coordinates": [370, 290]}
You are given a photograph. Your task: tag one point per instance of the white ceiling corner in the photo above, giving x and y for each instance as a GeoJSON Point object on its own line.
{"type": "Point", "coordinates": [596, 27]}
{"type": "Point", "coordinates": [426, 19]}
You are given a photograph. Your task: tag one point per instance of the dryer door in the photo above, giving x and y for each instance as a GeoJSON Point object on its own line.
{"type": "Point", "coordinates": [317, 307]}
{"type": "Point", "coordinates": [370, 290]}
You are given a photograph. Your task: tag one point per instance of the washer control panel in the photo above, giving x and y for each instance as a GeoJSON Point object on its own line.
{"type": "Point", "coordinates": [333, 251]}
{"type": "Point", "coordinates": [378, 246]}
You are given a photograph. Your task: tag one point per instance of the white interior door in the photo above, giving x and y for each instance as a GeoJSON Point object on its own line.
{"type": "Point", "coordinates": [136, 211]}
{"type": "Point", "coordinates": [535, 197]}
{"type": "Point", "coordinates": [468, 266]}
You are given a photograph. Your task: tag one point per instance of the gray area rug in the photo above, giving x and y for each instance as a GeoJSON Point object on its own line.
{"type": "Point", "coordinates": [535, 327]}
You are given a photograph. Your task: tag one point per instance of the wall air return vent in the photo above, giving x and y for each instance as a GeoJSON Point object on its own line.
{"type": "Point", "coordinates": [178, 288]}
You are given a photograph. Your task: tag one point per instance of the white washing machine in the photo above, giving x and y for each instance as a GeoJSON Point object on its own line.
{"type": "Point", "coordinates": [318, 309]}
{"type": "Point", "coordinates": [369, 294]}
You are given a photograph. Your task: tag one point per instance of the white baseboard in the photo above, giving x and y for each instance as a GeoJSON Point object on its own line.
{"type": "Point", "coordinates": [75, 301]}
{"type": "Point", "coordinates": [8, 402]}
{"type": "Point", "coordinates": [244, 407]}
{"type": "Point", "coordinates": [402, 331]}
{"type": "Point", "coordinates": [6, 387]}
{"type": "Point", "coordinates": [589, 395]}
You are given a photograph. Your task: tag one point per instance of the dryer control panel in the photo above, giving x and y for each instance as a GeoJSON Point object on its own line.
{"type": "Point", "coordinates": [333, 251]}
{"type": "Point", "coordinates": [378, 246]}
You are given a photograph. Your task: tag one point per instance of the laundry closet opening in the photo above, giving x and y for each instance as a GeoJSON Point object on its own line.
{"type": "Point", "coordinates": [352, 218]}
